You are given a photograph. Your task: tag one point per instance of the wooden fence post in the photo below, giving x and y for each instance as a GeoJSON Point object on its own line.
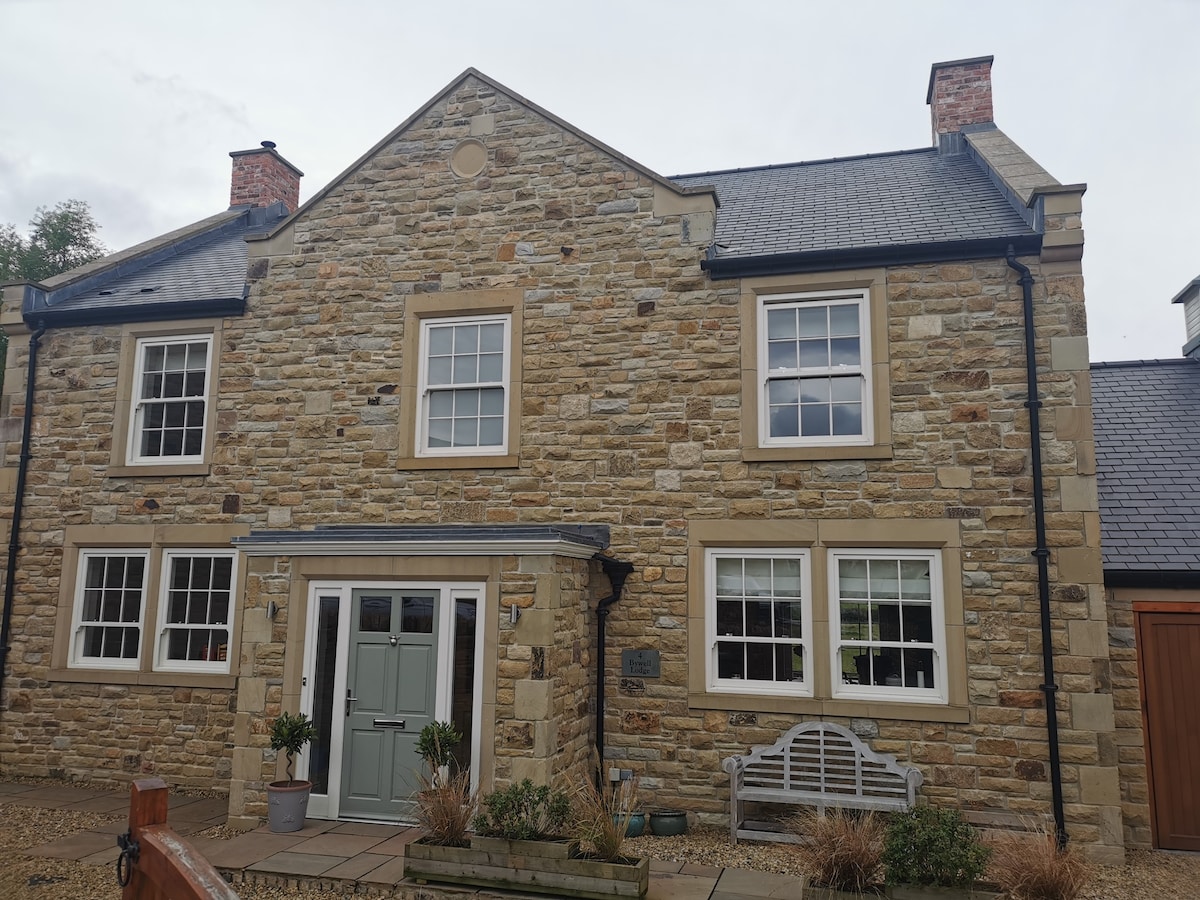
{"type": "Point", "coordinates": [167, 867]}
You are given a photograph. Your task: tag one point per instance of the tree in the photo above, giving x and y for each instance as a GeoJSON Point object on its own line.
{"type": "Point", "coordinates": [59, 239]}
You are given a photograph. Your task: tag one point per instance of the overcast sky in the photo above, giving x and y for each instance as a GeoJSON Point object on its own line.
{"type": "Point", "coordinates": [134, 106]}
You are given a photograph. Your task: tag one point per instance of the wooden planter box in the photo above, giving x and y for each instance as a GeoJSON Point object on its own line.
{"type": "Point", "coordinates": [545, 867]}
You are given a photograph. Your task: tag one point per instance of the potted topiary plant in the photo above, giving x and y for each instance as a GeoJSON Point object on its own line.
{"type": "Point", "coordinates": [446, 803]}
{"type": "Point", "coordinates": [435, 746]}
{"type": "Point", "coordinates": [288, 800]}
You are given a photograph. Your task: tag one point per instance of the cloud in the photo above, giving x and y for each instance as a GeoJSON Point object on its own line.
{"type": "Point", "coordinates": [191, 103]}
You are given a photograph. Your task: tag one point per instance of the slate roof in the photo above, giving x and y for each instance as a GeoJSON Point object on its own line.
{"type": "Point", "coordinates": [1147, 420]}
{"type": "Point", "coordinates": [885, 200]}
{"type": "Point", "coordinates": [200, 267]}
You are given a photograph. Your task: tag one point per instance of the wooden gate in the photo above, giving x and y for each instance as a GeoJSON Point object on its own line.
{"type": "Point", "coordinates": [1168, 640]}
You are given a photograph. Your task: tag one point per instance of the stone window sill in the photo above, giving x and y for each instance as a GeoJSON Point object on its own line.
{"type": "Point", "coordinates": [857, 709]}
{"type": "Point", "coordinates": [143, 679]}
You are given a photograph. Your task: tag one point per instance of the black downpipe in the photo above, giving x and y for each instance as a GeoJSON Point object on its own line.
{"type": "Point", "coordinates": [14, 540]}
{"type": "Point", "coordinates": [617, 571]}
{"type": "Point", "coordinates": [1042, 551]}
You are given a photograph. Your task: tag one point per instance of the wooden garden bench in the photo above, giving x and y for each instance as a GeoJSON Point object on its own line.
{"type": "Point", "coordinates": [815, 764]}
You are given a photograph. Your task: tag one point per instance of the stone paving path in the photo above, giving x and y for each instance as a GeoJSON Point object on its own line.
{"type": "Point", "coordinates": [348, 853]}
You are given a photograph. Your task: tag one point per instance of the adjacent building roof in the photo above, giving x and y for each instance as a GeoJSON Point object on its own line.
{"type": "Point", "coordinates": [907, 199]}
{"type": "Point", "coordinates": [195, 272]}
{"type": "Point", "coordinates": [1147, 420]}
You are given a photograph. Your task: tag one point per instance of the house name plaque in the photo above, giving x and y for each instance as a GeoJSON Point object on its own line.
{"type": "Point", "coordinates": [640, 664]}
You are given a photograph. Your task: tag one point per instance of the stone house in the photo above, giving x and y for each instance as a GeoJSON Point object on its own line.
{"type": "Point", "coordinates": [1148, 460]}
{"type": "Point", "coordinates": [503, 427]}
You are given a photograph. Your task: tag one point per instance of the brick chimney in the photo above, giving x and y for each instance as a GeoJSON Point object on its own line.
{"type": "Point", "coordinates": [960, 93]}
{"type": "Point", "coordinates": [262, 177]}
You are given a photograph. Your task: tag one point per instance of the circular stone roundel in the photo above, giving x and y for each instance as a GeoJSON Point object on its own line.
{"type": "Point", "coordinates": [468, 158]}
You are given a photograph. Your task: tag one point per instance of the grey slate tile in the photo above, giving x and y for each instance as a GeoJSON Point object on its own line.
{"type": "Point", "coordinates": [1147, 421]}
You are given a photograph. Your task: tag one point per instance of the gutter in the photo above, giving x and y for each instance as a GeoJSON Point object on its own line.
{"type": "Point", "coordinates": [865, 257]}
{"type": "Point", "coordinates": [14, 540]}
{"type": "Point", "coordinates": [617, 571]}
{"type": "Point", "coordinates": [1041, 552]}
{"type": "Point", "coordinates": [1178, 579]}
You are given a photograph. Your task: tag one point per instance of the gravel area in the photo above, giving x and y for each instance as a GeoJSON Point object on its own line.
{"type": "Point", "coordinates": [1157, 875]}
{"type": "Point", "coordinates": [1146, 876]}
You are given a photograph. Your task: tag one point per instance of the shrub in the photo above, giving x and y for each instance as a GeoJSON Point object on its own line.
{"type": "Point", "coordinates": [602, 816]}
{"type": "Point", "coordinates": [842, 850]}
{"type": "Point", "coordinates": [523, 812]}
{"type": "Point", "coordinates": [933, 846]}
{"type": "Point", "coordinates": [1031, 867]}
{"type": "Point", "coordinates": [445, 808]}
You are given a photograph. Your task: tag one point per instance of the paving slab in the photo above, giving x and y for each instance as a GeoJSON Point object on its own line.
{"type": "Point", "coordinates": [357, 866]}
{"type": "Point", "coordinates": [394, 846]}
{"type": "Point", "coordinates": [64, 794]}
{"type": "Point", "coordinates": [665, 866]}
{"type": "Point", "coordinates": [75, 846]}
{"type": "Point", "coordinates": [389, 873]}
{"type": "Point", "coordinates": [369, 828]}
{"type": "Point", "coordinates": [671, 886]}
{"type": "Point", "coordinates": [745, 883]}
{"type": "Point", "coordinates": [290, 862]}
{"type": "Point", "coordinates": [338, 844]}
{"type": "Point", "coordinates": [102, 857]}
{"type": "Point", "coordinates": [114, 804]}
{"type": "Point", "coordinates": [247, 849]}
{"type": "Point", "coordinates": [311, 828]}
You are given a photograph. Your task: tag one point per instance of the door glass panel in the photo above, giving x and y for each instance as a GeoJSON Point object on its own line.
{"type": "Point", "coordinates": [326, 665]}
{"type": "Point", "coordinates": [416, 615]}
{"type": "Point", "coordinates": [462, 697]}
{"type": "Point", "coordinates": [375, 614]}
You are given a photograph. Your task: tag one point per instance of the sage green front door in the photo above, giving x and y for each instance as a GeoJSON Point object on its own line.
{"type": "Point", "coordinates": [391, 691]}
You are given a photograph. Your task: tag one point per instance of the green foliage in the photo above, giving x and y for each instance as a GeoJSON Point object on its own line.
{"type": "Point", "coordinates": [523, 812]}
{"type": "Point", "coordinates": [59, 239]}
{"type": "Point", "coordinates": [290, 733]}
{"type": "Point", "coordinates": [933, 846]}
{"type": "Point", "coordinates": [435, 745]}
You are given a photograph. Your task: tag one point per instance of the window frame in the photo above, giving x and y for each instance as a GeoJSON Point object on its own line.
{"type": "Point", "coordinates": [858, 297]}
{"type": "Point", "coordinates": [138, 405]}
{"type": "Point", "coordinates": [715, 683]}
{"type": "Point", "coordinates": [162, 663]}
{"type": "Point", "coordinates": [75, 656]}
{"type": "Point", "coordinates": [425, 391]}
{"type": "Point", "coordinates": [938, 693]}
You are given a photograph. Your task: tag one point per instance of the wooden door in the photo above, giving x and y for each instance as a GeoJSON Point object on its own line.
{"type": "Point", "coordinates": [1169, 655]}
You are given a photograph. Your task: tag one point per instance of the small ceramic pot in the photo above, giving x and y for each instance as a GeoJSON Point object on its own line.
{"type": "Point", "coordinates": [636, 824]}
{"type": "Point", "coordinates": [667, 822]}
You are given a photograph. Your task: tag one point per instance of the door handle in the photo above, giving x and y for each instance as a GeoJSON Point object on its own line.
{"type": "Point", "coordinates": [389, 723]}
{"type": "Point", "coordinates": [349, 699]}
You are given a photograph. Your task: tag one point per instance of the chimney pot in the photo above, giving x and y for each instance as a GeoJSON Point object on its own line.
{"type": "Point", "coordinates": [262, 177]}
{"type": "Point", "coordinates": [960, 93]}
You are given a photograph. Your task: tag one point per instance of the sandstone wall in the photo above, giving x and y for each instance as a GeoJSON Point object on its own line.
{"type": "Point", "coordinates": [630, 417]}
